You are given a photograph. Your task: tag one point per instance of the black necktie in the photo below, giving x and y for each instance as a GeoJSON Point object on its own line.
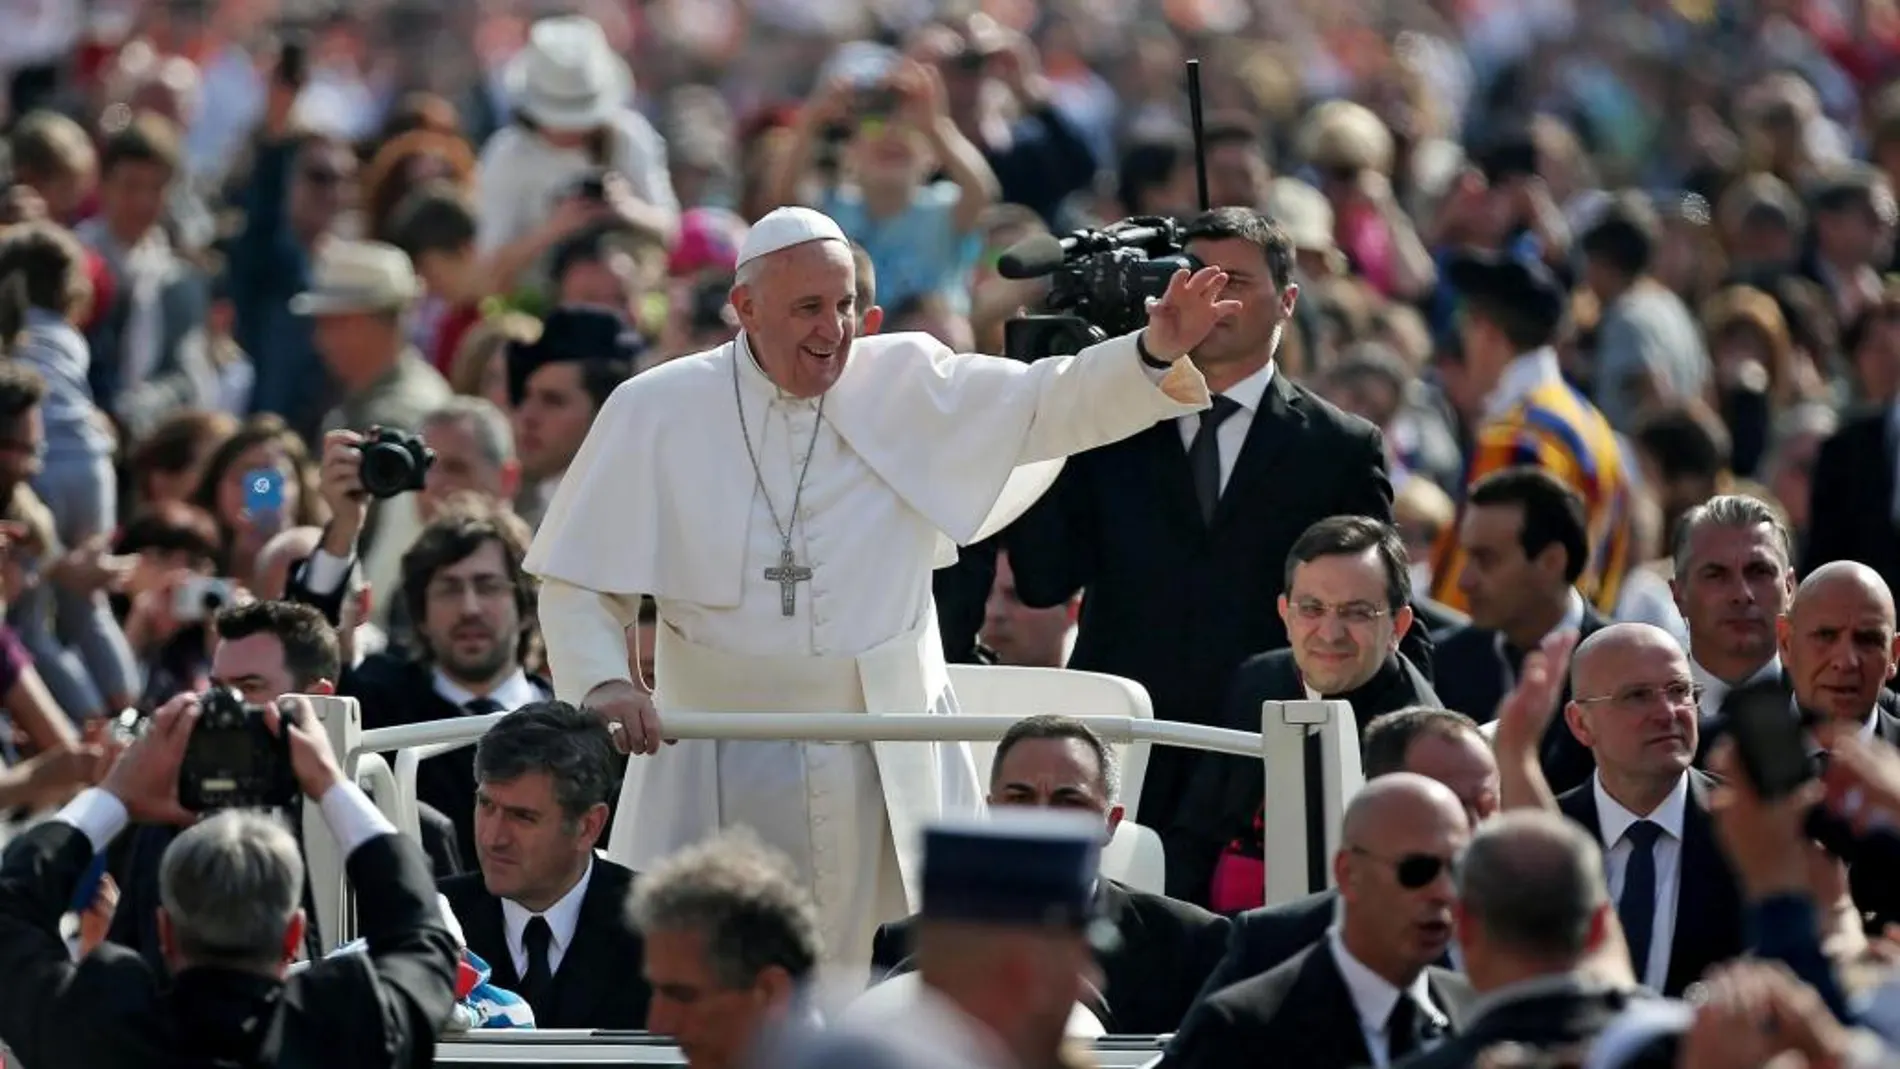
{"type": "Point", "coordinates": [482, 706]}
{"type": "Point", "coordinates": [535, 938]}
{"type": "Point", "coordinates": [1402, 1036]}
{"type": "Point", "coordinates": [1204, 454]}
{"type": "Point", "coordinates": [1636, 907]}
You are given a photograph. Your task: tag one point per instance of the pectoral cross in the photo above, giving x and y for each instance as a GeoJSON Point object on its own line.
{"type": "Point", "coordinates": [787, 575]}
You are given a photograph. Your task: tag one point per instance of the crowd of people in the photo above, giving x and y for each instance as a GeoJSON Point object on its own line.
{"type": "Point", "coordinates": [1532, 391]}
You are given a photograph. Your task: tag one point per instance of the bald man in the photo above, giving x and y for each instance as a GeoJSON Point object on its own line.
{"type": "Point", "coordinates": [1368, 994]}
{"type": "Point", "coordinates": [1837, 641]}
{"type": "Point", "coordinates": [1634, 705]}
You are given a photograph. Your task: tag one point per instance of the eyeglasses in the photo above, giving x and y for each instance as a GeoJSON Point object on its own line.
{"type": "Point", "coordinates": [1413, 870]}
{"type": "Point", "coordinates": [1678, 695]}
{"type": "Point", "coordinates": [1361, 613]}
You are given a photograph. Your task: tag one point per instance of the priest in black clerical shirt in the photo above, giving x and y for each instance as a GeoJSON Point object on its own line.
{"type": "Point", "coordinates": [1346, 607]}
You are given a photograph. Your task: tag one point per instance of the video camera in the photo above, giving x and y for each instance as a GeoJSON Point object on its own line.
{"type": "Point", "coordinates": [1100, 284]}
{"type": "Point", "coordinates": [233, 759]}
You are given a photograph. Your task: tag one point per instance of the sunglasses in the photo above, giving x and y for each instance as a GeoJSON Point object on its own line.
{"type": "Point", "coordinates": [1413, 870]}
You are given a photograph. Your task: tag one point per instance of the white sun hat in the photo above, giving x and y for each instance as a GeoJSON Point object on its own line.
{"type": "Point", "coordinates": [568, 78]}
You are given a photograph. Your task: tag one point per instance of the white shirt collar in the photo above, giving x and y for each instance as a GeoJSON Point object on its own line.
{"type": "Point", "coordinates": [1373, 995]}
{"type": "Point", "coordinates": [562, 917]}
{"type": "Point", "coordinates": [513, 693]}
{"type": "Point", "coordinates": [1714, 689]}
{"type": "Point", "coordinates": [1536, 368]}
{"type": "Point", "coordinates": [1614, 820]}
{"type": "Point", "coordinates": [1252, 390]}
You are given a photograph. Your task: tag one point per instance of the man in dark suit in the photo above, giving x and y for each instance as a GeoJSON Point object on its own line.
{"type": "Point", "coordinates": [1839, 648]}
{"type": "Point", "coordinates": [1166, 948]}
{"type": "Point", "coordinates": [1346, 609]}
{"type": "Point", "coordinates": [1525, 540]}
{"type": "Point", "coordinates": [1634, 706]}
{"type": "Point", "coordinates": [1532, 912]}
{"type": "Point", "coordinates": [545, 912]}
{"type": "Point", "coordinates": [1180, 533]}
{"type": "Point", "coordinates": [265, 650]}
{"type": "Point", "coordinates": [231, 926]}
{"type": "Point", "coordinates": [1368, 993]}
{"type": "Point", "coordinates": [473, 610]}
{"type": "Point", "coordinates": [1435, 743]}
{"type": "Point", "coordinates": [1734, 563]}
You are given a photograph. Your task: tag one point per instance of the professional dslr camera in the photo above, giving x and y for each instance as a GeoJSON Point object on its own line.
{"type": "Point", "coordinates": [1100, 283]}
{"type": "Point", "coordinates": [233, 759]}
{"type": "Point", "coordinates": [394, 463]}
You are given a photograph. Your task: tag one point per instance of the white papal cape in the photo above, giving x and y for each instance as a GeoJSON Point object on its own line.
{"type": "Point", "coordinates": [919, 450]}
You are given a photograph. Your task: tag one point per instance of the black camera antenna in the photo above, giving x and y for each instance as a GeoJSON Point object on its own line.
{"type": "Point", "coordinates": [1200, 130]}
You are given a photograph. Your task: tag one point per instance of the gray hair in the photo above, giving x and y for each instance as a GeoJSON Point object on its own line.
{"type": "Point", "coordinates": [1730, 510]}
{"type": "Point", "coordinates": [1533, 881]}
{"type": "Point", "coordinates": [231, 885]}
{"type": "Point", "coordinates": [493, 436]}
{"type": "Point", "coordinates": [743, 898]}
{"type": "Point", "coordinates": [571, 745]}
{"type": "Point", "coordinates": [1048, 726]}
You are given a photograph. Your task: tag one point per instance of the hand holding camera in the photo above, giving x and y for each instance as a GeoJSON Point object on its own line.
{"type": "Point", "coordinates": [358, 468]}
{"type": "Point", "coordinates": [312, 762]}
{"type": "Point", "coordinates": [146, 777]}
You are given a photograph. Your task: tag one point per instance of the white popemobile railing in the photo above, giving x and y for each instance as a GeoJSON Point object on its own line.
{"type": "Point", "coordinates": [1310, 751]}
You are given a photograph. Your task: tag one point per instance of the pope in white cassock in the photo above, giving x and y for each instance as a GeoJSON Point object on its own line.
{"type": "Point", "coordinates": [784, 499]}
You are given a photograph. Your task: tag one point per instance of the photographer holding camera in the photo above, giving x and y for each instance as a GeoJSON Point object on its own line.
{"type": "Point", "coordinates": [230, 925]}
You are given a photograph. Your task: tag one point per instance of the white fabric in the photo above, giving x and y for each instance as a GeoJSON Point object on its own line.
{"type": "Point", "coordinates": [511, 693]}
{"type": "Point", "coordinates": [919, 447]}
{"type": "Point", "coordinates": [1373, 997]}
{"type": "Point", "coordinates": [1231, 435]}
{"type": "Point", "coordinates": [1527, 372]}
{"type": "Point", "coordinates": [1614, 821]}
{"type": "Point", "coordinates": [521, 176]}
{"type": "Point", "coordinates": [782, 228]}
{"type": "Point", "coordinates": [562, 917]}
{"type": "Point", "coordinates": [1714, 691]}
{"type": "Point", "coordinates": [98, 814]}
{"type": "Point", "coordinates": [352, 817]}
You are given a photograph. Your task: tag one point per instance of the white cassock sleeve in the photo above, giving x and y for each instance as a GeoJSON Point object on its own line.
{"type": "Point", "coordinates": [586, 635]}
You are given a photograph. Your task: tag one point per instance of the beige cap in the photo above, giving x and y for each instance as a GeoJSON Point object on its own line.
{"type": "Point", "coordinates": [358, 276]}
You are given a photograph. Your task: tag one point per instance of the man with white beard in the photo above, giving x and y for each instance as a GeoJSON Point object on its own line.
{"type": "Point", "coordinates": [784, 498]}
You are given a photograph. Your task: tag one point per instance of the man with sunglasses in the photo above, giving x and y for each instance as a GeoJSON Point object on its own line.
{"type": "Point", "coordinates": [1369, 993]}
{"type": "Point", "coordinates": [1634, 705]}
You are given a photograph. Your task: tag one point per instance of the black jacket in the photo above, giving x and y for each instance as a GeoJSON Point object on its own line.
{"type": "Point", "coordinates": [113, 1010]}
{"type": "Point", "coordinates": [599, 983]}
{"type": "Point", "coordinates": [1165, 952]}
{"type": "Point", "coordinates": [1850, 515]}
{"type": "Point", "coordinates": [1224, 793]}
{"type": "Point", "coordinates": [1174, 603]}
{"type": "Point", "coordinates": [1709, 928]}
{"type": "Point", "coordinates": [1552, 1015]}
{"type": "Point", "coordinates": [1298, 1015]}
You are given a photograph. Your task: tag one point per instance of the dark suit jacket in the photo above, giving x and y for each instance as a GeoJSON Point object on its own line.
{"type": "Point", "coordinates": [1224, 792]}
{"type": "Point", "coordinates": [1709, 926]}
{"type": "Point", "coordinates": [1174, 603]}
{"type": "Point", "coordinates": [1547, 1019]}
{"type": "Point", "coordinates": [1166, 951]}
{"type": "Point", "coordinates": [1263, 938]}
{"type": "Point", "coordinates": [1471, 680]}
{"type": "Point", "coordinates": [599, 983]}
{"type": "Point", "coordinates": [1298, 1015]}
{"type": "Point", "coordinates": [962, 593]}
{"type": "Point", "coordinates": [112, 1009]}
{"type": "Point", "coordinates": [1848, 517]}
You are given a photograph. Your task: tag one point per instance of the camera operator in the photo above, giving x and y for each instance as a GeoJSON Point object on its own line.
{"type": "Point", "coordinates": [230, 925]}
{"type": "Point", "coordinates": [1180, 532]}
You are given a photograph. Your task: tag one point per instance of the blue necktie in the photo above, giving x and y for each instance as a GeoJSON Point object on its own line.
{"type": "Point", "coordinates": [1636, 908]}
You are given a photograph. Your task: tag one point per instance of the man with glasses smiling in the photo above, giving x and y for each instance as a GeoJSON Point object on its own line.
{"type": "Point", "coordinates": [1635, 707]}
{"type": "Point", "coordinates": [1345, 608]}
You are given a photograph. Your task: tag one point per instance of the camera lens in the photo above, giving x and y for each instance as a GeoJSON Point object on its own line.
{"type": "Point", "coordinates": [388, 469]}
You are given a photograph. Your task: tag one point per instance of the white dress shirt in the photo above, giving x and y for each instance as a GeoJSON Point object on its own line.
{"type": "Point", "coordinates": [512, 693]}
{"type": "Point", "coordinates": [562, 917]}
{"type": "Point", "coordinates": [1714, 690]}
{"type": "Point", "coordinates": [1231, 435]}
{"type": "Point", "coordinates": [1614, 820]}
{"type": "Point", "coordinates": [1373, 996]}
